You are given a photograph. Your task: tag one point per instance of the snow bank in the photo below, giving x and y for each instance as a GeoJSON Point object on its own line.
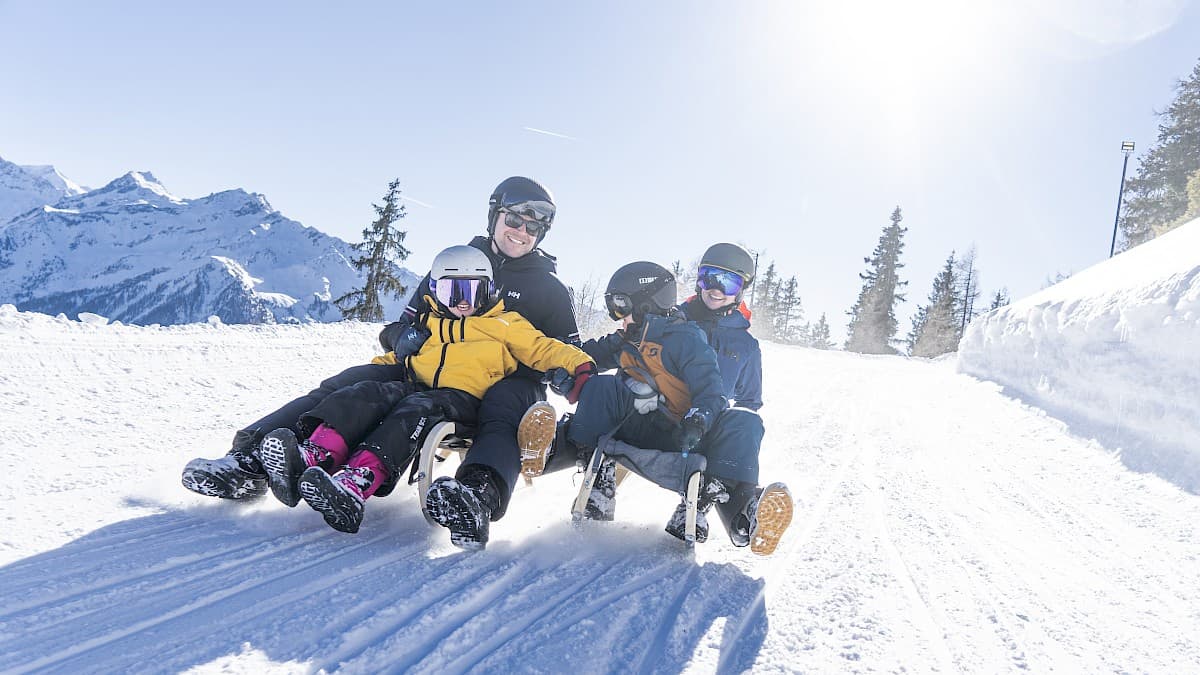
{"type": "Point", "coordinates": [1114, 351]}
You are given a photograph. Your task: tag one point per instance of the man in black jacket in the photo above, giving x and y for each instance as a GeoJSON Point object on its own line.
{"type": "Point", "coordinates": [520, 213]}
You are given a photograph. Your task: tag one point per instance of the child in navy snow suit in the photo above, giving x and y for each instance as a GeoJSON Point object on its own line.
{"type": "Point", "coordinates": [473, 342]}
{"type": "Point", "coordinates": [658, 349]}
{"type": "Point", "coordinates": [724, 272]}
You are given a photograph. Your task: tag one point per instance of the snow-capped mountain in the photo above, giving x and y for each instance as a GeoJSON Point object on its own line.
{"type": "Point", "coordinates": [133, 251]}
{"type": "Point", "coordinates": [27, 187]}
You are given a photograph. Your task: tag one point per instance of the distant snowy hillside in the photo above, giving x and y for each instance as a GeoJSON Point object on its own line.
{"type": "Point", "coordinates": [26, 187]}
{"type": "Point", "coordinates": [1114, 350]}
{"type": "Point", "coordinates": [134, 252]}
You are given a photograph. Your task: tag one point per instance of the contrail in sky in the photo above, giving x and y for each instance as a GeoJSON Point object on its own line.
{"type": "Point", "coordinates": [418, 202]}
{"type": "Point", "coordinates": [550, 133]}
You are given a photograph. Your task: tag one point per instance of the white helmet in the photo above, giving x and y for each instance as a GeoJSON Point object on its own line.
{"type": "Point", "coordinates": [462, 273]}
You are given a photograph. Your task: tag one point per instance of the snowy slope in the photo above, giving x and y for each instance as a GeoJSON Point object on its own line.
{"type": "Point", "coordinates": [134, 252]}
{"type": "Point", "coordinates": [941, 526]}
{"type": "Point", "coordinates": [1114, 350]}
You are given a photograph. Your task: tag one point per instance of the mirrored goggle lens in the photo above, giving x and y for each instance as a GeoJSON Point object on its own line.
{"type": "Point", "coordinates": [535, 209]}
{"type": "Point", "coordinates": [533, 227]}
{"type": "Point", "coordinates": [715, 278]}
{"type": "Point", "coordinates": [451, 292]}
{"type": "Point", "coordinates": [619, 305]}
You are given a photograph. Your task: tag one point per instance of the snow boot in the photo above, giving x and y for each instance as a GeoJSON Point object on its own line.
{"type": "Point", "coordinates": [237, 475]}
{"type": "Point", "coordinates": [339, 498]}
{"type": "Point", "coordinates": [535, 436]}
{"type": "Point", "coordinates": [763, 518]}
{"type": "Point", "coordinates": [602, 501]}
{"type": "Point", "coordinates": [712, 491]}
{"type": "Point", "coordinates": [284, 460]}
{"type": "Point", "coordinates": [465, 506]}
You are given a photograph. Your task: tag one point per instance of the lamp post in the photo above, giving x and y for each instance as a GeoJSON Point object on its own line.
{"type": "Point", "coordinates": [1127, 148]}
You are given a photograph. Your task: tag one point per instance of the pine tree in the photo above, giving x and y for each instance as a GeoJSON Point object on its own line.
{"type": "Point", "coordinates": [1193, 207]}
{"type": "Point", "coordinates": [765, 300]}
{"type": "Point", "coordinates": [967, 289]}
{"type": "Point", "coordinates": [939, 329]}
{"type": "Point", "coordinates": [873, 318]}
{"type": "Point", "coordinates": [1000, 299]}
{"type": "Point", "coordinates": [789, 314]}
{"type": "Point", "coordinates": [1158, 194]}
{"type": "Point", "coordinates": [382, 247]}
{"type": "Point", "coordinates": [818, 337]}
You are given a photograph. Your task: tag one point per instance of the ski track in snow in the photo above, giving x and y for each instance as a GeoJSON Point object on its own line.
{"type": "Point", "coordinates": [940, 527]}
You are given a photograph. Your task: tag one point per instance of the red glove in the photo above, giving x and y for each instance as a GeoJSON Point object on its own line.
{"type": "Point", "coordinates": [568, 385]}
{"type": "Point", "coordinates": [582, 373]}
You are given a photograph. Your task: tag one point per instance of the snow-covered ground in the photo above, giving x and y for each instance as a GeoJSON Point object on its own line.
{"type": "Point", "coordinates": [941, 525]}
{"type": "Point", "coordinates": [1114, 350]}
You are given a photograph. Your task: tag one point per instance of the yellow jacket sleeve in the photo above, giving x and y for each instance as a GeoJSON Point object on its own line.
{"type": "Point", "coordinates": [388, 359]}
{"type": "Point", "coordinates": [534, 349]}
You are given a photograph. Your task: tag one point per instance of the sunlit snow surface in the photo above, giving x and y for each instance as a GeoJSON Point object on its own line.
{"type": "Point", "coordinates": [940, 525]}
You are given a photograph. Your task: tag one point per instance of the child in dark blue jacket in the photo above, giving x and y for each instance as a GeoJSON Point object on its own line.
{"type": "Point", "coordinates": [724, 272]}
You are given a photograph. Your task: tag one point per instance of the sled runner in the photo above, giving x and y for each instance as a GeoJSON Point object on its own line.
{"type": "Point", "coordinates": [671, 470]}
{"type": "Point", "coordinates": [445, 439]}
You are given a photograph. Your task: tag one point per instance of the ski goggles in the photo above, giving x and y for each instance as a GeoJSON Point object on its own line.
{"type": "Point", "coordinates": [532, 208]}
{"type": "Point", "coordinates": [516, 221]}
{"type": "Point", "coordinates": [710, 278]}
{"type": "Point", "coordinates": [619, 305]}
{"type": "Point", "coordinates": [451, 291]}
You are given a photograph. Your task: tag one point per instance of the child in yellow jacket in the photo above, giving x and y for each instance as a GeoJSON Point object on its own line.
{"type": "Point", "coordinates": [473, 343]}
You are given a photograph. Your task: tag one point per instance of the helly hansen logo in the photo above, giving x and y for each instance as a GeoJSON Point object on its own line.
{"type": "Point", "coordinates": [647, 280]}
{"type": "Point", "coordinates": [514, 294]}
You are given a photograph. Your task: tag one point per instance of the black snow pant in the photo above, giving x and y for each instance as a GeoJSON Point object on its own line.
{"type": "Point", "coordinates": [289, 415]}
{"type": "Point", "coordinates": [389, 419]}
{"type": "Point", "coordinates": [495, 444]}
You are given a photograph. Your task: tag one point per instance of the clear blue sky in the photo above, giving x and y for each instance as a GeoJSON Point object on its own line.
{"type": "Point", "coordinates": [792, 127]}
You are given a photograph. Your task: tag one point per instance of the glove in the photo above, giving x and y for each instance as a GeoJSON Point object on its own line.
{"type": "Point", "coordinates": [692, 428]}
{"type": "Point", "coordinates": [645, 397]}
{"type": "Point", "coordinates": [567, 385]}
{"type": "Point", "coordinates": [409, 341]}
{"type": "Point", "coordinates": [388, 335]}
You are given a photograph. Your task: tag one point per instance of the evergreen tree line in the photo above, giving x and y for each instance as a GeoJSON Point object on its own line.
{"type": "Point", "coordinates": [938, 325]}
{"type": "Point", "coordinates": [1165, 192]}
{"type": "Point", "coordinates": [775, 300]}
{"type": "Point", "coordinates": [779, 312]}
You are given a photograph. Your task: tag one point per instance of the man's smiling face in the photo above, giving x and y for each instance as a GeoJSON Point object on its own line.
{"type": "Point", "coordinates": [512, 242]}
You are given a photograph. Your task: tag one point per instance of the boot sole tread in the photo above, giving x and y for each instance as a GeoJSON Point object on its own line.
{"type": "Point", "coordinates": [535, 435]}
{"type": "Point", "coordinates": [773, 516]}
{"type": "Point", "coordinates": [324, 498]}
{"type": "Point", "coordinates": [280, 466]}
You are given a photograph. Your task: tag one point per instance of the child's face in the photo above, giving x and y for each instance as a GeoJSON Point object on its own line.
{"type": "Point", "coordinates": [627, 321]}
{"type": "Point", "coordinates": [462, 309]}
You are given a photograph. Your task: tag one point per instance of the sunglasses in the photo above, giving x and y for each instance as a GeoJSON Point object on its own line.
{"type": "Point", "coordinates": [452, 292]}
{"type": "Point", "coordinates": [535, 228]}
{"type": "Point", "coordinates": [715, 278]}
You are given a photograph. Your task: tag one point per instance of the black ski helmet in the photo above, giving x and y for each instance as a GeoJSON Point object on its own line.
{"type": "Point", "coordinates": [640, 288]}
{"type": "Point", "coordinates": [524, 196]}
{"type": "Point", "coordinates": [733, 258]}
{"type": "Point", "coordinates": [730, 257]}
